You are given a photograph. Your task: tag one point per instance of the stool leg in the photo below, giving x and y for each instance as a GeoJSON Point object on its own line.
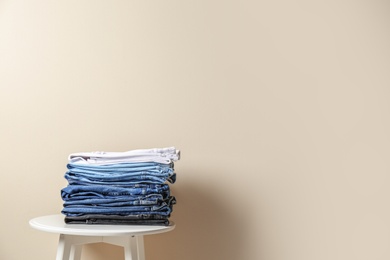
{"type": "Point", "coordinates": [140, 246]}
{"type": "Point", "coordinates": [133, 246]}
{"type": "Point", "coordinates": [75, 252]}
{"type": "Point", "coordinates": [70, 246]}
{"type": "Point", "coordinates": [130, 249]}
{"type": "Point", "coordinates": [63, 249]}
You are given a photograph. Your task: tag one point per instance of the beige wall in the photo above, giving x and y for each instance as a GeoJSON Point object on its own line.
{"type": "Point", "coordinates": [281, 110]}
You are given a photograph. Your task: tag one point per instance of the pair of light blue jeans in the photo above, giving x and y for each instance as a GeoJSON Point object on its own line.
{"type": "Point", "coordinates": [117, 174]}
{"type": "Point", "coordinates": [124, 182]}
{"type": "Point", "coordinates": [123, 167]}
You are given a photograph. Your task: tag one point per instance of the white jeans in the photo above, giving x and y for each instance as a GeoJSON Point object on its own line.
{"type": "Point", "coordinates": [159, 155]}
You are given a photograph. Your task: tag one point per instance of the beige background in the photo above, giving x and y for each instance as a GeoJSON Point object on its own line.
{"type": "Point", "coordinates": [281, 110]}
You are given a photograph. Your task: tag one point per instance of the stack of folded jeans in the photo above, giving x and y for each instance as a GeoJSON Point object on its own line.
{"type": "Point", "coordinates": [128, 188]}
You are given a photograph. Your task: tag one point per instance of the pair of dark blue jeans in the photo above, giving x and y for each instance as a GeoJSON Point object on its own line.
{"type": "Point", "coordinates": [141, 219]}
{"type": "Point", "coordinates": [112, 192]}
{"type": "Point", "coordinates": [139, 199]}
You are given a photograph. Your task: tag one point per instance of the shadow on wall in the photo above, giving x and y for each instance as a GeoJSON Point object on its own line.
{"type": "Point", "coordinates": [207, 226]}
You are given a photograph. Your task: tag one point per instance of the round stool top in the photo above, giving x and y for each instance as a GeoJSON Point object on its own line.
{"type": "Point", "coordinates": [56, 224]}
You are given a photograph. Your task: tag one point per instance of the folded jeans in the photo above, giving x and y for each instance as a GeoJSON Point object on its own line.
{"type": "Point", "coordinates": [160, 155]}
{"type": "Point", "coordinates": [99, 221]}
{"type": "Point", "coordinates": [136, 191]}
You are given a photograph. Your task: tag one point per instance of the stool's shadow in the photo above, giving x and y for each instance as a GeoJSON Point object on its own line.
{"type": "Point", "coordinates": [207, 227]}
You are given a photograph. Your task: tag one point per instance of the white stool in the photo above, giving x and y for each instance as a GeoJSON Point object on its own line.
{"type": "Point", "coordinates": [74, 236]}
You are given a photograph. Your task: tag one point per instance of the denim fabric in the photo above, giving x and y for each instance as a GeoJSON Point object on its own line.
{"type": "Point", "coordinates": [100, 221]}
{"type": "Point", "coordinates": [149, 200]}
{"type": "Point", "coordinates": [123, 181]}
{"type": "Point", "coordinates": [128, 188]}
{"type": "Point", "coordinates": [124, 167]}
{"type": "Point", "coordinates": [137, 191]}
{"type": "Point", "coordinates": [144, 216]}
{"type": "Point", "coordinates": [109, 200]}
{"type": "Point", "coordinates": [116, 202]}
{"type": "Point", "coordinates": [160, 155]}
{"type": "Point", "coordinates": [163, 209]}
{"type": "Point", "coordinates": [116, 174]}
